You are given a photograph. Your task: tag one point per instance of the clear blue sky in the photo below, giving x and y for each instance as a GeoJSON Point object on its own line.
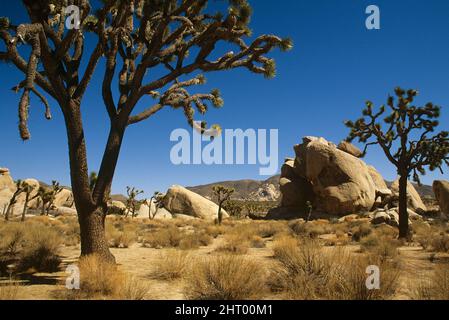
{"type": "Point", "coordinates": [336, 65]}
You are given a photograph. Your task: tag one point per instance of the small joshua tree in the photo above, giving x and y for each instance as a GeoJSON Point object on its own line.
{"type": "Point", "coordinates": [223, 194]}
{"type": "Point", "coordinates": [408, 140]}
{"type": "Point", "coordinates": [48, 196]}
{"type": "Point", "coordinates": [28, 190]}
{"type": "Point", "coordinates": [20, 187]}
{"type": "Point", "coordinates": [309, 209]}
{"type": "Point", "coordinates": [157, 198]}
{"type": "Point", "coordinates": [132, 203]}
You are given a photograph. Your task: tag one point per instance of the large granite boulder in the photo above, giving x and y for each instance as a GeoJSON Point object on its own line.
{"type": "Point", "coordinates": [180, 200]}
{"type": "Point", "coordinates": [441, 190]}
{"type": "Point", "coordinates": [414, 201]}
{"type": "Point", "coordinates": [341, 182]}
{"type": "Point", "coordinates": [348, 147]}
{"type": "Point", "coordinates": [7, 188]}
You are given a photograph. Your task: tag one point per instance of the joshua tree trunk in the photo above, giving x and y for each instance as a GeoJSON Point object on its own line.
{"type": "Point", "coordinates": [403, 214]}
{"type": "Point", "coordinates": [220, 213]}
{"type": "Point", "coordinates": [25, 206]}
{"type": "Point", "coordinates": [91, 206]}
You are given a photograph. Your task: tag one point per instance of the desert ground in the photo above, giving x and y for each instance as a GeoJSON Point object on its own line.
{"type": "Point", "coordinates": [241, 259]}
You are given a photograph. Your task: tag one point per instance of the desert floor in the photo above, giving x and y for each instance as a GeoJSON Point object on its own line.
{"type": "Point", "coordinates": [164, 258]}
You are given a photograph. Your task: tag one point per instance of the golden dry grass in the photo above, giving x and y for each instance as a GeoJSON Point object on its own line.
{"type": "Point", "coordinates": [225, 277]}
{"type": "Point", "coordinates": [102, 280]}
{"type": "Point", "coordinates": [171, 265]}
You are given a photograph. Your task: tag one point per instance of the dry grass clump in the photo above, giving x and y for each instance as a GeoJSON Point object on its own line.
{"type": "Point", "coordinates": [168, 237]}
{"type": "Point", "coordinates": [69, 230]}
{"type": "Point", "coordinates": [434, 288]}
{"type": "Point", "coordinates": [171, 265]}
{"type": "Point", "coordinates": [310, 229]}
{"type": "Point", "coordinates": [41, 250]}
{"type": "Point", "coordinates": [361, 231]}
{"type": "Point", "coordinates": [9, 291]}
{"type": "Point", "coordinates": [102, 280]}
{"type": "Point", "coordinates": [381, 246]}
{"type": "Point", "coordinates": [307, 271]}
{"type": "Point", "coordinates": [257, 242]}
{"type": "Point", "coordinates": [214, 231]}
{"type": "Point", "coordinates": [29, 247]}
{"type": "Point", "coordinates": [195, 240]}
{"type": "Point", "coordinates": [235, 244]}
{"type": "Point", "coordinates": [117, 238]}
{"type": "Point", "coordinates": [434, 242]}
{"type": "Point", "coordinates": [225, 277]}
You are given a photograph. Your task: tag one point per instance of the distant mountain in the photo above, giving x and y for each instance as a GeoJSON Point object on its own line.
{"type": "Point", "coordinates": [265, 190]}
{"type": "Point", "coordinates": [268, 190]}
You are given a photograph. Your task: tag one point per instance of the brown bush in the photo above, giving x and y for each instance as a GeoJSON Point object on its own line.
{"type": "Point", "coordinates": [102, 280]}
{"type": "Point", "coordinates": [434, 288]}
{"type": "Point", "coordinates": [225, 277]}
{"type": "Point", "coordinates": [171, 265]}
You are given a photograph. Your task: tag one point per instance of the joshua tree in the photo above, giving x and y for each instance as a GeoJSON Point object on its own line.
{"type": "Point", "coordinates": [132, 203]}
{"type": "Point", "coordinates": [158, 198]}
{"type": "Point", "coordinates": [27, 189]}
{"type": "Point", "coordinates": [134, 38]}
{"type": "Point", "coordinates": [20, 187]}
{"type": "Point", "coordinates": [223, 194]}
{"type": "Point", "coordinates": [408, 140]}
{"type": "Point", "coordinates": [48, 196]}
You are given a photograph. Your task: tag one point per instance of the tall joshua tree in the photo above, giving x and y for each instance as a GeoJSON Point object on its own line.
{"type": "Point", "coordinates": [408, 140]}
{"type": "Point", "coordinates": [223, 195]}
{"type": "Point", "coordinates": [133, 38]}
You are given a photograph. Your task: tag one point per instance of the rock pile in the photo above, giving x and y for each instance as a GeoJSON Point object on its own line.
{"type": "Point", "coordinates": [335, 181]}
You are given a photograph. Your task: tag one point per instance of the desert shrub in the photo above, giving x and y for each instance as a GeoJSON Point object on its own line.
{"type": "Point", "coordinates": [257, 242]}
{"type": "Point", "coordinates": [12, 237]}
{"type": "Point", "coordinates": [380, 246]}
{"type": "Point", "coordinates": [9, 291]}
{"type": "Point", "coordinates": [41, 250]}
{"type": "Point", "coordinates": [270, 229]}
{"type": "Point", "coordinates": [214, 231]}
{"type": "Point", "coordinates": [308, 272]}
{"type": "Point", "coordinates": [234, 244]}
{"type": "Point", "coordinates": [194, 241]}
{"type": "Point", "coordinates": [169, 237]}
{"type": "Point", "coordinates": [361, 231]}
{"type": "Point", "coordinates": [435, 287]}
{"type": "Point", "coordinates": [309, 229]}
{"type": "Point", "coordinates": [440, 243]}
{"type": "Point", "coordinates": [225, 277]}
{"type": "Point", "coordinates": [171, 265]}
{"type": "Point", "coordinates": [69, 230]}
{"type": "Point", "coordinates": [120, 235]}
{"type": "Point", "coordinates": [100, 280]}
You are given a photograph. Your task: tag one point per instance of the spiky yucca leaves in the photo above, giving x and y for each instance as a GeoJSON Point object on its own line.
{"type": "Point", "coordinates": [406, 134]}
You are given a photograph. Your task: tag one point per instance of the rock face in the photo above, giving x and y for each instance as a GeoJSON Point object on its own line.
{"type": "Point", "coordinates": [332, 178]}
{"type": "Point", "coordinates": [7, 188]}
{"type": "Point", "coordinates": [341, 182]}
{"type": "Point", "coordinates": [64, 199]}
{"type": "Point", "coordinates": [441, 190]}
{"type": "Point", "coordinates": [414, 201]}
{"type": "Point", "coordinates": [350, 148]}
{"type": "Point", "coordinates": [179, 200]}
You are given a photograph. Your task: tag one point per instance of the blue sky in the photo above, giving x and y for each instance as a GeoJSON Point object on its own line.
{"type": "Point", "coordinates": [335, 66]}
